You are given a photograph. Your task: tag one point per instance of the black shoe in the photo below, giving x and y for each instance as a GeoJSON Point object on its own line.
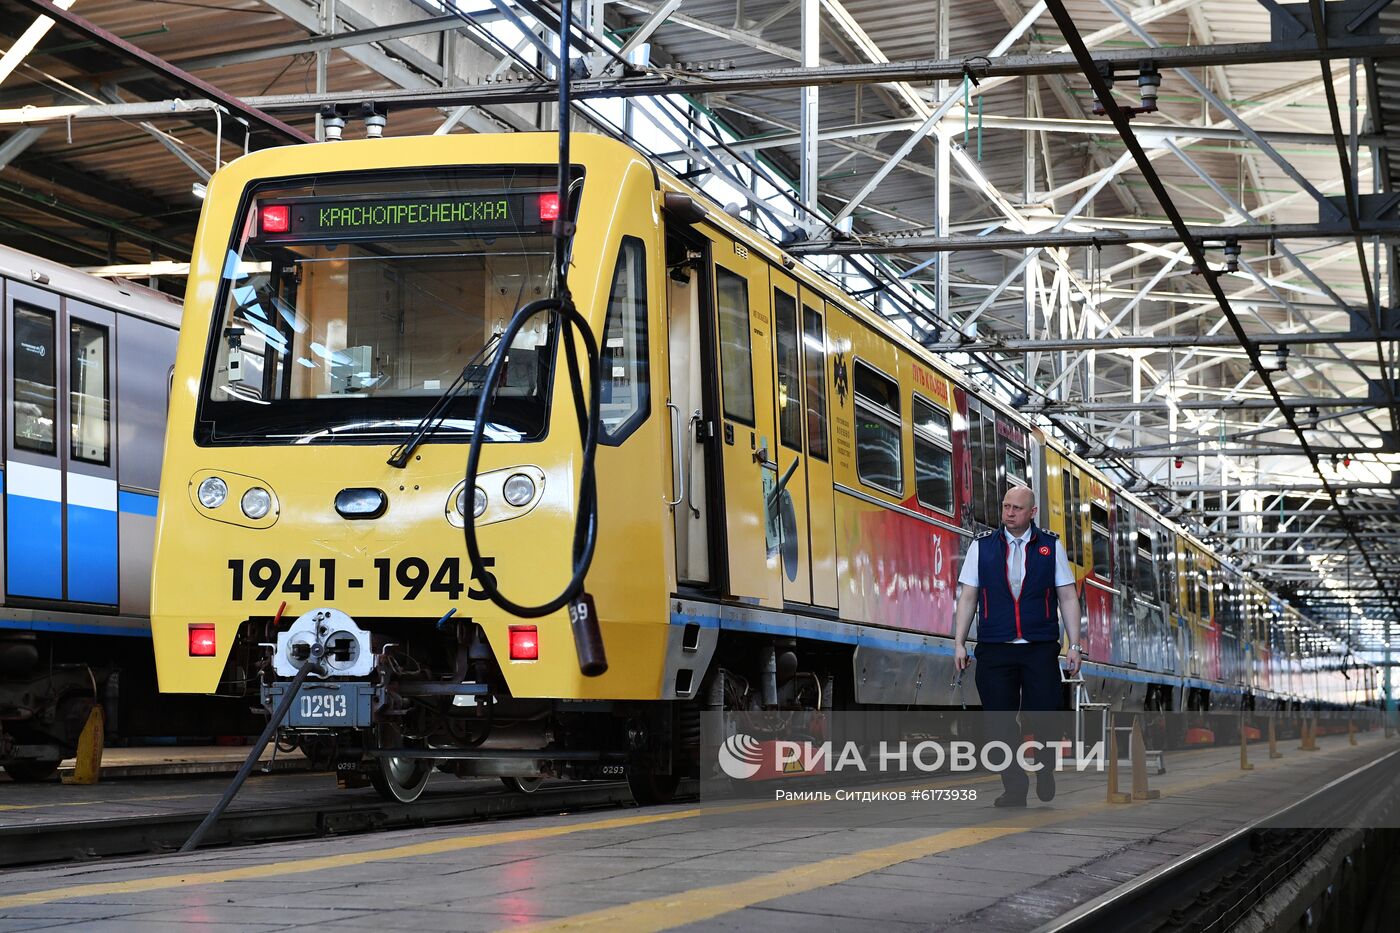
{"type": "Point", "coordinates": [1006, 800]}
{"type": "Point", "coordinates": [1045, 783]}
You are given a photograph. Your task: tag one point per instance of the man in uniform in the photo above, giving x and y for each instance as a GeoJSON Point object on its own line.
{"type": "Point", "coordinates": [1018, 582]}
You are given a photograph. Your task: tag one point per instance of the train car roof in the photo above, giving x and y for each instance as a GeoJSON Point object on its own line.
{"type": "Point", "coordinates": [118, 294]}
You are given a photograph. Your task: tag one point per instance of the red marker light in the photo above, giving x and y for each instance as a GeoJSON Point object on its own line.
{"type": "Point", "coordinates": [202, 644]}
{"type": "Point", "coordinates": [524, 643]}
{"type": "Point", "coordinates": [549, 206]}
{"type": "Point", "coordinates": [275, 218]}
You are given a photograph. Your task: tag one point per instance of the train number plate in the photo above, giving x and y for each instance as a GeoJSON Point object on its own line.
{"type": "Point", "coordinates": [326, 705]}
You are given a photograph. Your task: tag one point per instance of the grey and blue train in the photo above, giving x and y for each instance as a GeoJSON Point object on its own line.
{"type": "Point", "coordinates": [85, 375]}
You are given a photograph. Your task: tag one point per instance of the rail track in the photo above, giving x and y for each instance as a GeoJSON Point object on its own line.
{"type": "Point", "coordinates": [1219, 884]}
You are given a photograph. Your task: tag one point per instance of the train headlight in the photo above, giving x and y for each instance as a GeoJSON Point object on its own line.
{"type": "Point", "coordinates": [478, 502]}
{"type": "Point", "coordinates": [212, 492]}
{"type": "Point", "coordinates": [256, 502]}
{"type": "Point", "coordinates": [519, 490]}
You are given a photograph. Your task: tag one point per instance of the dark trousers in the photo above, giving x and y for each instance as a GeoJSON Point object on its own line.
{"type": "Point", "coordinates": [1012, 678]}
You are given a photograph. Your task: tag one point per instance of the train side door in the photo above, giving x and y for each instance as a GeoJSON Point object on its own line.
{"type": "Point", "coordinates": [788, 501]}
{"type": "Point", "coordinates": [688, 307]}
{"type": "Point", "coordinates": [60, 478]}
{"type": "Point", "coordinates": [747, 441]}
{"type": "Point", "coordinates": [821, 489]}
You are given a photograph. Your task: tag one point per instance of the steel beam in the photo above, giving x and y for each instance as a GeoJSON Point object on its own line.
{"type": "Point", "coordinates": [1096, 238]}
{"type": "Point", "coordinates": [750, 79]}
{"type": "Point", "coordinates": [340, 40]}
{"type": "Point", "coordinates": [25, 44]}
{"type": "Point", "coordinates": [18, 141]}
{"type": "Point", "coordinates": [1150, 342]}
{"type": "Point", "coordinates": [163, 68]}
{"type": "Point", "coordinates": [1357, 509]}
{"type": "Point", "coordinates": [1188, 453]}
{"type": "Point", "coordinates": [1059, 125]}
{"type": "Point", "coordinates": [1223, 404]}
{"type": "Point", "coordinates": [1281, 487]}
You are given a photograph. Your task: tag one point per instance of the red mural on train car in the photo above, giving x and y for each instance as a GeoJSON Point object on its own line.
{"type": "Point", "coordinates": [1210, 651]}
{"type": "Point", "coordinates": [912, 567]}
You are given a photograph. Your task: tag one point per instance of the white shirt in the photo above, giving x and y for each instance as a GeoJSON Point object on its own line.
{"type": "Point", "coordinates": [969, 576]}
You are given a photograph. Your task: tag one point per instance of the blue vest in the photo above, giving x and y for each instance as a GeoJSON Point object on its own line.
{"type": "Point", "coordinates": [1036, 615]}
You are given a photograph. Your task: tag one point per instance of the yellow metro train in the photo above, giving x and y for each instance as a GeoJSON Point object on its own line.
{"type": "Point", "coordinates": [786, 483]}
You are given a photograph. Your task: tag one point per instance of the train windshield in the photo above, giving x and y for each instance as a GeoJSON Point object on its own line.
{"type": "Point", "coordinates": [348, 307]}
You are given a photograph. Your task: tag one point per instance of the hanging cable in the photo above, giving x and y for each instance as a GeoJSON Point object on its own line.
{"type": "Point", "coordinates": [568, 326]}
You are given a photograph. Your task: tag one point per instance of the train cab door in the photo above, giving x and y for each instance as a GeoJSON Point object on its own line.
{"type": "Point", "coordinates": [821, 488]}
{"type": "Point", "coordinates": [746, 439]}
{"type": "Point", "coordinates": [60, 478]}
{"type": "Point", "coordinates": [788, 500]}
{"type": "Point", "coordinates": [688, 309]}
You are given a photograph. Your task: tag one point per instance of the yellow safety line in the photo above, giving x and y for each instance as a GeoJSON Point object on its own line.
{"type": "Point", "coordinates": [6, 807]}
{"type": "Point", "coordinates": [674, 910]}
{"type": "Point", "coordinates": [303, 866]}
{"type": "Point", "coordinates": [116, 801]}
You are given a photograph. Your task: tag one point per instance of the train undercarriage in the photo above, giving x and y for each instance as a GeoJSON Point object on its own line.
{"type": "Point", "coordinates": [398, 699]}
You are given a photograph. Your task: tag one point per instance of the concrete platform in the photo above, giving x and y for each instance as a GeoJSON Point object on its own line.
{"type": "Point", "coordinates": [765, 866]}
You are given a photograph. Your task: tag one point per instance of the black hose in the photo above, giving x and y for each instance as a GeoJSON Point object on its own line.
{"type": "Point", "coordinates": [312, 666]}
{"type": "Point", "coordinates": [586, 521]}
{"type": "Point", "coordinates": [588, 641]}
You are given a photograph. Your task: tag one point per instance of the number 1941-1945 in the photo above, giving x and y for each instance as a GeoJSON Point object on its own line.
{"type": "Point", "coordinates": [407, 578]}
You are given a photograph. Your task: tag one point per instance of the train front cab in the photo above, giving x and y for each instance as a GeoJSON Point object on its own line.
{"type": "Point", "coordinates": [309, 339]}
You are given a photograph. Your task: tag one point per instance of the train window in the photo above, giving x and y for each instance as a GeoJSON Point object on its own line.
{"type": "Point", "coordinates": [1098, 524]}
{"type": "Point", "coordinates": [814, 353]}
{"type": "Point", "coordinates": [626, 396]}
{"type": "Point", "coordinates": [1075, 510]}
{"type": "Point", "coordinates": [1146, 583]}
{"type": "Point", "coordinates": [88, 391]}
{"type": "Point", "coordinates": [984, 510]}
{"type": "Point", "coordinates": [1190, 582]}
{"type": "Point", "coordinates": [351, 305]}
{"type": "Point", "coordinates": [933, 456]}
{"type": "Point", "coordinates": [879, 455]}
{"type": "Point", "coordinates": [735, 350]}
{"type": "Point", "coordinates": [1070, 515]}
{"type": "Point", "coordinates": [789, 375]}
{"type": "Point", "coordinates": [1203, 597]}
{"type": "Point", "coordinates": [35, 390]}
{"type": "Point", "coordinates": [1015, 467]}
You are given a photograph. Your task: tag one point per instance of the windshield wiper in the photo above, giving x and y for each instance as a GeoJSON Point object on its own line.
{"type": "Point", "coordinates": [472, 374]}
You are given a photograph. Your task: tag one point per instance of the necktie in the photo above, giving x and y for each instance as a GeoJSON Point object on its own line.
{"type": "Point", "coordinates": [1018, 567]}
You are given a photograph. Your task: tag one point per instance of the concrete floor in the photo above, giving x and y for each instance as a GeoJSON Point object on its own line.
{"type": "Point", "coordinates": [764, 866]}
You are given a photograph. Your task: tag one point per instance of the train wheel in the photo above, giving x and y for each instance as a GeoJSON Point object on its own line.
{"type": "Point", "coordinates": [400, 779]}
{"type": "Point", "coordinates": [522, 785]}
{"type": "Point", "coordinates": [649, 789]}
{"type": "Point", "coordinates": [31, 772]}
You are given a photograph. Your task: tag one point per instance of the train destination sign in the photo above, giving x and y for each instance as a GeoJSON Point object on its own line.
{"type": "Point", "coordinates": [360, 218]}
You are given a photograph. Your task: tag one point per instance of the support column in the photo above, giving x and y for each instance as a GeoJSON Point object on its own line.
{"type": "Point", "coordinates": [1028, 277]}
{"type": "Point", "coordinates": [323, 59]}
{"type": "Point", "coordinates": [808, 129]}
{"type": "Point", "coordinates": [942, 170]}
